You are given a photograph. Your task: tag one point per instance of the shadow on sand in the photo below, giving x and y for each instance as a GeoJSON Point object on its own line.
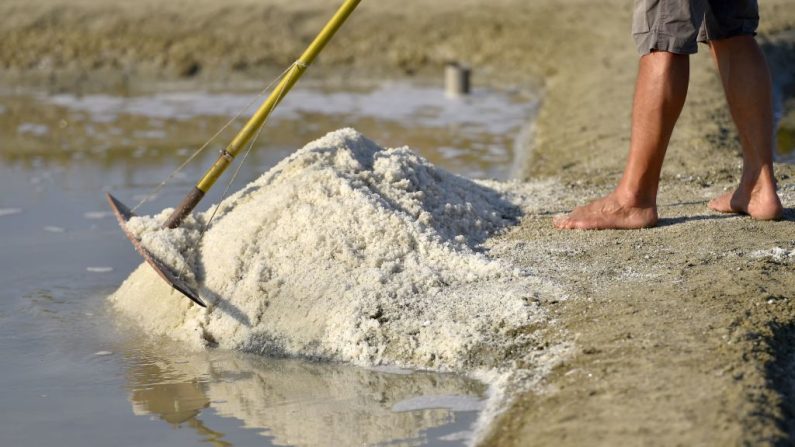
{"type": "Point", "coordinates": [780, 377]}
{"type": "Point", "coordinates": [668, 221]}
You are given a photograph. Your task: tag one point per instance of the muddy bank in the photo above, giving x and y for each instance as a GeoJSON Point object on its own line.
{"type": "Point", "coordinates": [684, 330]}
{"type": "Point", "coordinates": [683, 333]}
{"type": "Point", "coordinates": [92, 43]}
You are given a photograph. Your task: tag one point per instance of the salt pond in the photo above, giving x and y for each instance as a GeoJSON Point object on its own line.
{"type": "Point", "coordinates": [73, 374]}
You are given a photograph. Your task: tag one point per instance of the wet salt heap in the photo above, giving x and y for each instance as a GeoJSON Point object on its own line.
{"type": "Point", "coordinates": [346, 251]}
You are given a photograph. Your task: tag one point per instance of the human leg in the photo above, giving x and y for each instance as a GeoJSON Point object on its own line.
{"type": "Point", "coordinates": [746, 82]}
{"type": "Point", "coordinates": [660, 93]}
{"type": "Point", "coordinates": [664, 33]}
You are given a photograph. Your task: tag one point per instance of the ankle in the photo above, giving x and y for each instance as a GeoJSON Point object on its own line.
{"type": "Point", "coordinates": [758, 179]}
{"type": "Point", "coordinates": [634, 198]}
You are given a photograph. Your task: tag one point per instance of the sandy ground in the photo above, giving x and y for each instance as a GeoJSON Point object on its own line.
{"type": "Point", "coordinates": [684, 333]}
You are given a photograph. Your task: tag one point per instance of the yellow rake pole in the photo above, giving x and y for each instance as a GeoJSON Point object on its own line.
{"type": "Point", "coordinates": [258, 119]}
{"type": "Point", "coordinates": [249, 131]}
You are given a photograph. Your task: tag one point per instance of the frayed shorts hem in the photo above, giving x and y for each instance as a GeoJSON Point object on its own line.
{"type": "Point", "coordinates": [655, 41]}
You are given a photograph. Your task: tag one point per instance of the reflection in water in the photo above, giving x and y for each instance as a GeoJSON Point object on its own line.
{"type": "Point", "coordinates": [177, 403]}
{"type": "Point", "coordinates": [302, 403]}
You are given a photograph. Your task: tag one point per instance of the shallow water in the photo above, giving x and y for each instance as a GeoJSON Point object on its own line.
{"type": "Point", "coordinates": [73, 374]}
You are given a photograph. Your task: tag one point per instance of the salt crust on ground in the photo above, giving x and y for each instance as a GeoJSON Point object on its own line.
{"type": "Point", "coordinates": [351, 252]}
{"type": "Point", "coordinates": [776, 253]}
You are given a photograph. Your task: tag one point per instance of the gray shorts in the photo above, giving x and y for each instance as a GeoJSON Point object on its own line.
{"type": "Point", "coordinates": [676, 25]}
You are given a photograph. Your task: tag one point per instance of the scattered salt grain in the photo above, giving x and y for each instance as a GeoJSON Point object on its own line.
{"type": "Point", "coordinates": [9, 211]}
{"type": "Point", "coordinates": [97, 214]}
{"type": "Point", "coordinates": [32, 129]}
{"type": "Point", "coordinates": [777, 254]}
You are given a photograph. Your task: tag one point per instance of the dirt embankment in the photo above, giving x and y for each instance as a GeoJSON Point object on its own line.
{"type": "Point", "coordinates": [684, 333]}
{"type": "Point", "coordinates": [65, 41]}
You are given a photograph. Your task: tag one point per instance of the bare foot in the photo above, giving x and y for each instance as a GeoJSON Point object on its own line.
{"type": "Point", "coordinates": [759, 202]}
{"type": "Point", "coordinates": [609, 212]}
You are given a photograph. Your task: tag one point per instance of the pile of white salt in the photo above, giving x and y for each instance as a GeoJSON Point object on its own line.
{"type": "Point", "coordinates": [346, 251]}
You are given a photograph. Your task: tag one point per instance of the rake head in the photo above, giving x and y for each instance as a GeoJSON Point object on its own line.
{"type": "Point", "coordinates": [123, 214]}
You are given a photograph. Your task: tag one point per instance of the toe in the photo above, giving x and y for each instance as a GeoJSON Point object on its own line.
{"type": "Point", "coordinates": [721, 204]}
{"type": "Point", "coordinates": [561, 221]}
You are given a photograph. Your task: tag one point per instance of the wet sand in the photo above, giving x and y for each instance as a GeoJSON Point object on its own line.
{"type": "Point", "coordinates": [682, 333]}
